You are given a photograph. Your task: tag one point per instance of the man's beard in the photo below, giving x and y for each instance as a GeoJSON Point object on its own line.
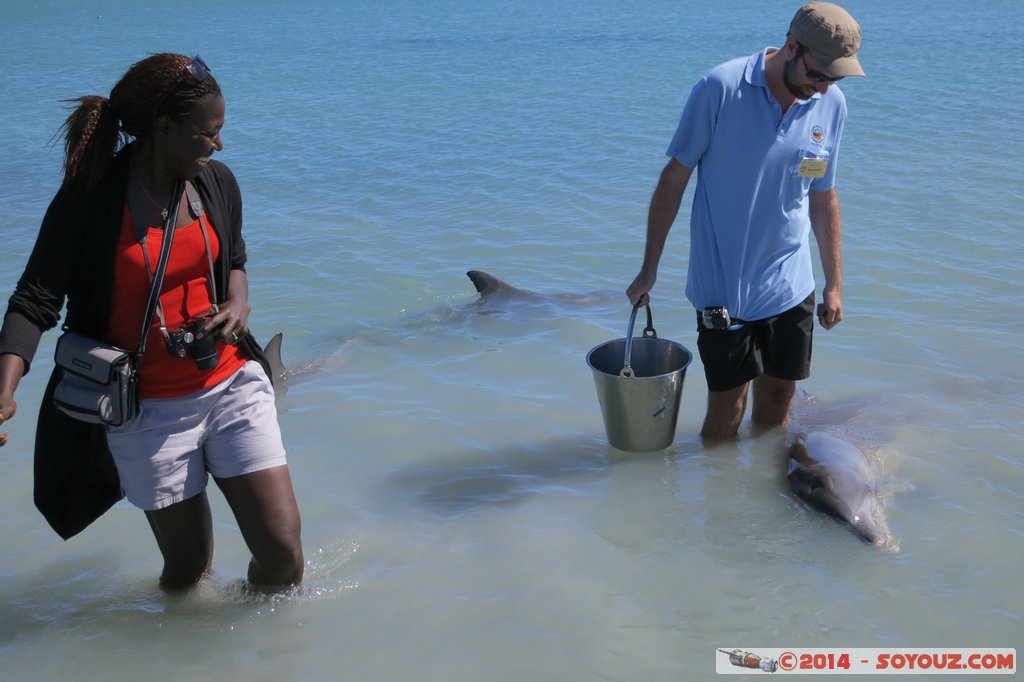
{"type": "Point", "coordinates": [789, 80]}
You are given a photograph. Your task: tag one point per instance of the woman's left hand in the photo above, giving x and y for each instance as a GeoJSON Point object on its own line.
{"type": "Point", "coordinates": [230, 323]}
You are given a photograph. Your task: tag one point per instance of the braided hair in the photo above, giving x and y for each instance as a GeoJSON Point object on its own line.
{"type": "Point", "coordinates": [98, 127]}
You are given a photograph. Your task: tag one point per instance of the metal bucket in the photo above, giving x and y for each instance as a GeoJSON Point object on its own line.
{"type": "Point", "coordinates": [639, 385]}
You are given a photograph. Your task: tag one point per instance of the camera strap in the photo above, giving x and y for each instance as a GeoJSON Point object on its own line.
{"type": "Point", "coordinates": [157, 279]}
{"type": "Point", "coordinates": [196, 210]}
{"type": "Point", "coordinates": [196, 206]}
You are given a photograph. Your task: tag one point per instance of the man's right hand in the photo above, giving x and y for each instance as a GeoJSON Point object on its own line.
{"type": "Point", "coordinates": [638, 292]}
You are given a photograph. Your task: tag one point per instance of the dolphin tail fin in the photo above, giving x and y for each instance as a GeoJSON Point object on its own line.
{"type": "Point", "coordinates": [485, 282]}
{"type": "Point", "coordinates": [277, 368]}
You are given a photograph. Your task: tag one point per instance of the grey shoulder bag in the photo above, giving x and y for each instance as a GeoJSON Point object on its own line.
{"type": "Point", "coordinates": [99, 382]}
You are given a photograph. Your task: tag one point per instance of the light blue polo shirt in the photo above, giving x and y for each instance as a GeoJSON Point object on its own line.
{"type": "Point", "coordinates": [750, 226]}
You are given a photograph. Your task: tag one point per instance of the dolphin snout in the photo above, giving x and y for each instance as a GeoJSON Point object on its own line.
{"type": "Point", "coordinates": [869, 532]}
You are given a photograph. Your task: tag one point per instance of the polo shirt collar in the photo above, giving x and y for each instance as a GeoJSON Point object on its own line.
{"type": "Point", "coordinates": [754, 72]}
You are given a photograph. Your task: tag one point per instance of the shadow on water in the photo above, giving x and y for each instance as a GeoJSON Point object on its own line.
{"type": "Point", "coordinates": [458, 483]}
{"type": "Point", "coordinates": [463, 482]}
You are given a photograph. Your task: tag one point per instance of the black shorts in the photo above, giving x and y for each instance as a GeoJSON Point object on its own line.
{"type": "Point", "coordinates": [778, 346]}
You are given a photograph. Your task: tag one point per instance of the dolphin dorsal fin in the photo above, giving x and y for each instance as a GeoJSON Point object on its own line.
{"type": "Point", "coordinates": [273, 353]}
{"type": "Point", "coordinates": [485, 282]}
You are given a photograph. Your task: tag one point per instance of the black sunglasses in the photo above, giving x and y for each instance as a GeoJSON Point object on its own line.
{"type": "Point", "coordinates": [813, 76]}
{"type": "Point", "coordinates": [197, 68]}
{"type": "Point", "coordinates": [200, 70]}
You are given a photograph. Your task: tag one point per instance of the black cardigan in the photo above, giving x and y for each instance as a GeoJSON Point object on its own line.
{"type": "Point", "coordinates": [73, 258]}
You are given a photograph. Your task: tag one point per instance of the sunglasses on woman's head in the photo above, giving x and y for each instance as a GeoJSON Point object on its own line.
{"type": "Point", "coordinates": [198, 68]}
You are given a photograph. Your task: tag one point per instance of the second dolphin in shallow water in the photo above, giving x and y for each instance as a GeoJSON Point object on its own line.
{"type": "Point", "coordinates": [835, 477]}
{"type": "Point", "coordinates": [496, 295]}
{"type": "Point", "coordinates": [491, 288]}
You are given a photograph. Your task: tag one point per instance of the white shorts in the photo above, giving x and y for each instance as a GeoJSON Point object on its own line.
{"type": "Point", "coordinates": [165, 454]}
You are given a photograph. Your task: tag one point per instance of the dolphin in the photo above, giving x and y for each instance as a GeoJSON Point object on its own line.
{"type": "Point", "coordinates": [487, 284]}
{"type": "Point", "coordinates": [278, 372]}
{"type": "Point", "coordinates": [493, 292]}
{"type": "Point", "coordinates": [834, 476]}
{"type": "Point", "coordinates": [491, 288]}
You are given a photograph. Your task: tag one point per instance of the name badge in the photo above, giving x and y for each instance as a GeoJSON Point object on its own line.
{"type": "Point", "coordinates": [812, 168]}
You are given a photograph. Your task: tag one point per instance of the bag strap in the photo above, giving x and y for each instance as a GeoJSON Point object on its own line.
{"type": "Point", "coordinates": [161, 266]}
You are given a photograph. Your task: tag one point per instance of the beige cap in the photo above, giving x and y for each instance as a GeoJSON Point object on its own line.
{"type": "Point", "coordinates": [832, 36]}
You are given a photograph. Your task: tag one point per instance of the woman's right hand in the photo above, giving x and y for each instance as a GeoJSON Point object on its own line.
{"type": "Point", "coordinates": [7, 410]}
{"type": "Point", "coordinates": [12, 368]}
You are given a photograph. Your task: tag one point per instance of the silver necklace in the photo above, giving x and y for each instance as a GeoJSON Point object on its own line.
{"type": "Point", "coordinates": [138, 180]}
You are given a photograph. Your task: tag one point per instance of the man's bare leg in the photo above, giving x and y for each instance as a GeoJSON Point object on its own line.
{"type": "Point", "coordinates": [773, 399]}
{"type": "Point", "coordinates": [725, 413]}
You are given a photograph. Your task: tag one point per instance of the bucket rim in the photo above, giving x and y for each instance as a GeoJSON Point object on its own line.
{"type": "Point", "coordinates": [648, 339]}
{"type": "Point", "coordinates": [641, 339]}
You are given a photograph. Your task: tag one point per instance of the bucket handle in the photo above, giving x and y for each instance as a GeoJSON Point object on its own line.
{"type": "Point", "coordinates": [627, 369]}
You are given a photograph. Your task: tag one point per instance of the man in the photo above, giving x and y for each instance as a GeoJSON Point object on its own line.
{"type": "Point", "coordinates": [763, 134]}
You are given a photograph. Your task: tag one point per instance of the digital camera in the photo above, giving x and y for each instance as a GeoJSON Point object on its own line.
{"type": "Point", "coordinates": [716, 317]}
{"type": "Point", "coordinates": [186, 341]}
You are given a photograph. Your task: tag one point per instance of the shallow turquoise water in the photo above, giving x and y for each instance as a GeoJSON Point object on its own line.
{"type": "Point", "coordinates": [463, 515]}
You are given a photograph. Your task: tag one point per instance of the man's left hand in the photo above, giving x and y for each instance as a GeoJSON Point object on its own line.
{"type": "Point", "coordinates": [830, 310]}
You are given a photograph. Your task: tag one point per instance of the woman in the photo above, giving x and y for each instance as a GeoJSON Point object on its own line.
{"type": "Point", "coordinates": [97, 247]}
